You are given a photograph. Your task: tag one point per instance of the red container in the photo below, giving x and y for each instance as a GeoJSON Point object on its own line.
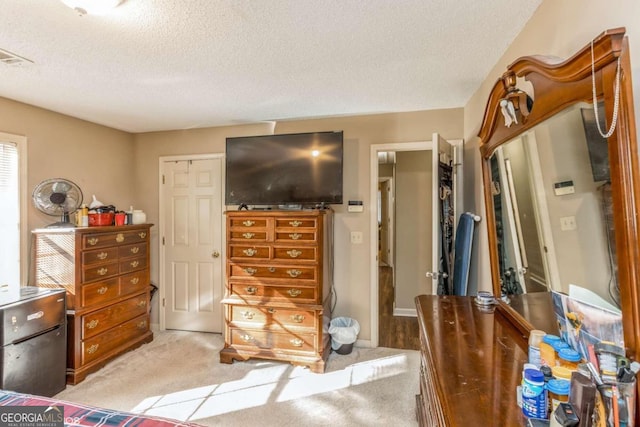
{"type": "Point", "coordinates": [97, 219]}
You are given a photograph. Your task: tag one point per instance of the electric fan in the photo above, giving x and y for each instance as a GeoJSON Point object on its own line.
{"type": "Point", "coordinates": [57, 196]}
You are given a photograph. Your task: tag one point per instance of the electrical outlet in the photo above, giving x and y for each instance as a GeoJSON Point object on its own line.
{"type": "Point", "coordinates": [356, 237]}
{"type": "Point", "coordinates": [568, 223]}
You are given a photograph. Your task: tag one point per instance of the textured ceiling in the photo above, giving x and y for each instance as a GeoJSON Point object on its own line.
{"type": "Point", "coordinates": [177, 64]}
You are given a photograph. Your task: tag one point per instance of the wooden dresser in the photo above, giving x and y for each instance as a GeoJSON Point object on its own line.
{"type": "Point", "coordinates": [471, 364]}
{"type": "Point", "coordinates": [105, 271]}
{"type": "Point", "coordinates": [278, 282]}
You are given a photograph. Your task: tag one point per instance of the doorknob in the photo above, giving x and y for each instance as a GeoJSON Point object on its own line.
{"type": "Point", "coordinates": [215, 254]}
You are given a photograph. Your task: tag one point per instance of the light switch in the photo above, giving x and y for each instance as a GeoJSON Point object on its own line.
{"type": "Point", "coordinates": [568, 223]}
{"type": "Point", "coordinates": [356, 237]}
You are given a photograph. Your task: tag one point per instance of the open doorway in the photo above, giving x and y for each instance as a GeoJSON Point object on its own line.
{"type": "Point", "coordinates": [404, 227]}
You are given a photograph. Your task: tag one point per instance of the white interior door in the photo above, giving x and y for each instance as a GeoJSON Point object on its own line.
{"type": "Point", "coordinates": [192, 244]}
{"type": "Point", "coordinates": [445, 152]}
{"type": "Point", "coordinates": [386, 221]}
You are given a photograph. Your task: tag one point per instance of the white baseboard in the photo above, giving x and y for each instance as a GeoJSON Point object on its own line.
{"type": "Point", "coordinates": [405, 312]}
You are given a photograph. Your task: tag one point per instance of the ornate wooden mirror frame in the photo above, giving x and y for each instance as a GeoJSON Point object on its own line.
{"type": "Point", "coordinates": [556, 86]}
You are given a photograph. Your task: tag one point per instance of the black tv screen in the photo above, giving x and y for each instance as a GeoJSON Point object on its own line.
{"type": "Point", "coordinates": [288, 169]}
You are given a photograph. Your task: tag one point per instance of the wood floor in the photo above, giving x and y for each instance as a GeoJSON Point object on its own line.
{"type": "Point", "coordinates": [394, 331]}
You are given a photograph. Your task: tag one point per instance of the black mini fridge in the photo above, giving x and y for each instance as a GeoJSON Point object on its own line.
{"type": "Point", "coordinates": [33, 338]}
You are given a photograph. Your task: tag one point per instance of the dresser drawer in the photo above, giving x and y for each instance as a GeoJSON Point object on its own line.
{"type": "Point", "coordinates": [242, 252]}
{"type": "Point", "coordinates": [296, 236]}
{"type": "Point", "coordinates": [99, 321]}
{"type": "Point", "coordinates": [99, 256]}
{"type": "Point", "coordinates": [133, 264]}
{"type": "Point", "coordinates": [101, 345]}
{"type": "Point", "coordinates": [99, 272]}
{"type": "Point", "coordinates": [135, 250]}
{"type": "Point", "coordinates": [291, 253]}
{"type": "Point", "coordinates": [291, 222]}
{"type": "Point", "coordinates": [272, 340]}
{"type": "Point", "coordinates": [248, 222]}
{"type": "Point", "coordinates": [298, 272]}
{"type": "Point", "coordinates": [248, 235]}
{"type": "Point", "coordinates": [271, 317]}
{"type": "Point", "coordinates": [100, 292]}
{"type": "Point", "coordinates": [99, 240]}
{"type": "Point", "coordinates": [133, 282]}
{"type": "Point", "coordinates": [297, 294]}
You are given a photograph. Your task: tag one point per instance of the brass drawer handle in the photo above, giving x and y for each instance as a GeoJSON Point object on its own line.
{"type": "Point", "coordinates": [295, 236]}
{"type": "Point", "coordinates": [248, 235]}
{"type": "Point", "coordinates": [93, 349]}
{"type": "Point", "coordinates": [248, 223]}
{"type": "Point", "coordinates": [120, 238]}
{"type": "Point", "coordinates": [102, 271]}
{"type": "Point", "coordinates": [294, 292]}
{"type": "Point", "coordinates": [249, 252]}
{"type": "Point", "coordinates": [141, 303]}
{"type": "Point", "coordinates": [295, 223]}
{"type": "Point", "coordinates": [134, 280]}
{"type": "Point", "coordinates": [271, 310]}
{"type": "Point", "coordinates": [298, 318]}
{"type": "Point", "coordinates": [271, 269]}
{"type": "Point", "coordinates": [93, 241]}
{"type": "Point", "coordinates": [135, 250]}
{"type": "Point", "coordinates": [246, 337]}
{"type": "Point", "coordinates": [250, 271]}
{"type": "Point", "coordinates": [294, 273]}
{"type": "Point", "coordinates": [248, 314]}
{"type": "Point", "coordinates": [142, 234]}
{"type": "Point", "coordinates": [134, 264]}
{"type": "Point", "coordinates": [93, 324]}
{"type": "Point", "coordinates": [251, 290]}
{"type": "Point", "coordinates": [103, 290]}
{"type": "Point", "coordinates": [296, 342]}
{"type": "Point", "coordinates": [142, 324]}
{"type": "Point", "coordinates": [293, 253]}
{"type": "Point", "coordinates": [102, 255]}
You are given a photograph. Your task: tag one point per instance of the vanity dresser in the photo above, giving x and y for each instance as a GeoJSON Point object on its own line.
{"type": "Point", "coordinates": [105, 271]}
{"type": "Point", "coordinates": [472, 356]}
{"type": "Point", "coordinates": [278, 282]}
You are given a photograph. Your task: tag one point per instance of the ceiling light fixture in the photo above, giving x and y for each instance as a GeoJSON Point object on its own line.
{"type": "Point", "coordinates": [92, 7]}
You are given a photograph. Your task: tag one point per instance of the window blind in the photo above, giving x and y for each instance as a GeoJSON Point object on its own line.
{"type": "Point", "coordinates": [9, 214]}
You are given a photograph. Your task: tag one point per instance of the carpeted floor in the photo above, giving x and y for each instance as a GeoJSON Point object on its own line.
{"type": "Point", "coordinates": [179, 375]}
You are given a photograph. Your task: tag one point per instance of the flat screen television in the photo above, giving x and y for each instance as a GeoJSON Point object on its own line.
{"type": "Point", "coordinates": [597, 146]}
{"type": "Point", "coordinates": [288, 169]}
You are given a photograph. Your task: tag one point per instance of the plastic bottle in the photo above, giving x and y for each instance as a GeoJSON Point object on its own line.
{"type": "Point", "coordinates": [561, 373]}
{"type": "Point", "coordinates": [557, 346]}
{"type": "Point", "coordinates": [84, 212]}
{"type": "Point", "coordinates": [547, 352]}
{"type": "Point", "coordinates": [534, 394]}
{"type": "Point", "coordinates": [569, 358]}
{"type": "Point", "coordinates": [558, 392]}
{"type": "Point", "coordinates": [139, 217]}
{"type": "Point", "coordinates": [535, 338]}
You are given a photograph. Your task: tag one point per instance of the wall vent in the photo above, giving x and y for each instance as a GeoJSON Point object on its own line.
{"type": "Point", "coordinates": [10, 58]}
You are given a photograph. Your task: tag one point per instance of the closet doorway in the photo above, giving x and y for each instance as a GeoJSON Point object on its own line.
{"type": "Point", "coordinates": [405, 225]}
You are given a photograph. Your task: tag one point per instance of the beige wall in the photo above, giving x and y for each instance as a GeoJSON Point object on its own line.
{"type": "Point", "coordinates": [98, 159]}
{"type": "Point", "coordinates": [414, 229]}
{"type": "Point", "coordinates": [352, 262]}
{"type": "Point", "coordinates": [558, 28]}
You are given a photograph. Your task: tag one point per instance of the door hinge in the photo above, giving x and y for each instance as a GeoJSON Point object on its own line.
{"type": "Point", "coordinates": [162, 240]}
{"type": "Point", "coordinates": [163, 302]}
{"type": "Point", "coordinates": [163, 179]}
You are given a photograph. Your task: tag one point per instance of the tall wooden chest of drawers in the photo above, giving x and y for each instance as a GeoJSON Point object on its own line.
{"type": "Point", "coordinates": [278, 284]}
{"type": "Point", "coordinates": [105, 271]}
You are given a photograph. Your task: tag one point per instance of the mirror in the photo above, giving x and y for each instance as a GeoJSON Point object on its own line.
{"type": "Point", "coordinates": [562, 201]}
{"type": "Point", "coordinates": [552, 206]}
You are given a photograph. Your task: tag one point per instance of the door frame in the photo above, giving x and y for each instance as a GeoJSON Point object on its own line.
{"type": "Point", "coordinates": [458, 145]}
{"type": "Point", "coordinates": [373, 222]}
{"type": "Point", "coordinates": [391, 203]}
{"type": "Point", "coordinates": [162, 223]}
